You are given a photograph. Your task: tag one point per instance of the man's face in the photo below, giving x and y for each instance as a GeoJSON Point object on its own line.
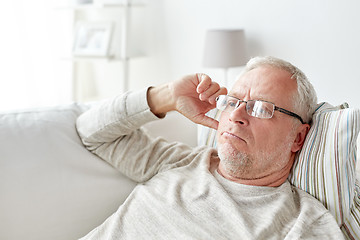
{"type": "Point", "coordinates": [253, 148]}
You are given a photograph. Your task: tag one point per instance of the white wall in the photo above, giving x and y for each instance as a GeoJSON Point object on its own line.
{"type": "Point", "coordinates": [321, 37]}
{"type": "Point", "coordinates": [32, 39]}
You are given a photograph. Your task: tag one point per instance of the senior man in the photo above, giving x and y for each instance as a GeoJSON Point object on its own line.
{"type": "Point", "coordinates": [240, 191]}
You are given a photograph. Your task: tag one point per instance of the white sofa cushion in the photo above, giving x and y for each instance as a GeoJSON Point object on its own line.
{"type": "Point", "coordinates": [51, 186]}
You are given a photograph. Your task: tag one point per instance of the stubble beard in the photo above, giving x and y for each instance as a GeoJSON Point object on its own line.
{"type": "Point", "coordinates": [242, 165]}
{"type": "Point", "coordinates": [236, 164]}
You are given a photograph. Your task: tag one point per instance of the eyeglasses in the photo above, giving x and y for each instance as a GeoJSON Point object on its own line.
{"type": "Point", "coordinates": [255, 108]}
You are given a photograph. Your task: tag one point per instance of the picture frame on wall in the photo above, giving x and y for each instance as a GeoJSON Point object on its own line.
{"type": "Point", "coordinates": [82, 1]}
{"type": "Point", "coordinates": [92, 39]}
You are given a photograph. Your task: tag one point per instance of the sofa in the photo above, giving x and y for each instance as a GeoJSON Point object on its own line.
{"type": "Point", "coordinates": [53, 188]}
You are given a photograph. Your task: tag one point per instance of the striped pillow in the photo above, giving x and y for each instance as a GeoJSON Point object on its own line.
{"type": "Point", "coordinates": [326, 165]}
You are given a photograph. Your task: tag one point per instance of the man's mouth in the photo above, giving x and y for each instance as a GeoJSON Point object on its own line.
{"type": "Point", "coordinates": [232, 135]}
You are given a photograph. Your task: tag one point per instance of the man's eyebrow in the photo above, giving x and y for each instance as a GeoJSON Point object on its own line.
{"type": "Point", "coordinates": [260, 97]}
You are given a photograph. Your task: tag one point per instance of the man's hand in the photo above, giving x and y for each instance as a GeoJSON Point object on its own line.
{"type": "Point", "coordinates": [193, 96]}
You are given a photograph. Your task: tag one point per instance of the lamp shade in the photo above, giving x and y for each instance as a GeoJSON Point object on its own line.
{"type": "Point", "coordinates": [224, 48]}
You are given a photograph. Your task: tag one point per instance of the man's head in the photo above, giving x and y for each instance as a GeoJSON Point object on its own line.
{"type": "Point", "coordinates": [260, 151]}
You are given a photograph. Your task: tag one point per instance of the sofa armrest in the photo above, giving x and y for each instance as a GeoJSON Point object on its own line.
{"type": "Point", "coordinates": [51, 186]}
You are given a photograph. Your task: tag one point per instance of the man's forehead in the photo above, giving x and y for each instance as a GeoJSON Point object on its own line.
{"type": "Point", "coordinates": [248, 84]}
{"type": "Point", "coordinates": [264, 83]}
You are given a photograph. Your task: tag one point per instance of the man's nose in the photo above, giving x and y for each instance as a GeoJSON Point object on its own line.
{"type": "Point", "coordinates": [239, 115]}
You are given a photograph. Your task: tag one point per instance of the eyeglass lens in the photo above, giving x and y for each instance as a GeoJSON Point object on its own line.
{"type": "Point", "coordinates": [255, 108]}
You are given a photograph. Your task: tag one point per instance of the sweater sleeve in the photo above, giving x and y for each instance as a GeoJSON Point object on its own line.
{"type": "Point", "coordinates": [112, 130]}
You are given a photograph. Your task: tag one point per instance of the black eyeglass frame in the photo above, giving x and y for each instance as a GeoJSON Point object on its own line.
{"type": "Point", "coordinates": [276, 108]}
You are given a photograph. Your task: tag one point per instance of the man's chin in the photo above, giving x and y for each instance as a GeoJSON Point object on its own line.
{"type": "Point", "coordinates": [235, 163]}
{"type": "Point", "coordinates": [234, 174]}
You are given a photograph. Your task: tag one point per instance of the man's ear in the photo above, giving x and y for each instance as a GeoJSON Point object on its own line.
{"type": "Point", "coordinates": [302, 131]}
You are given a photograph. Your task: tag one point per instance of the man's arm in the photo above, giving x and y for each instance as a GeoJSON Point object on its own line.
{"type": "Point", "coordinates": [111, 130]}
{"type": "Point", "coordinates": [193, 96]}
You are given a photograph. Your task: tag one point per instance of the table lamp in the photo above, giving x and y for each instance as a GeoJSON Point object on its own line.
{"type": "Point", "coordinates": [224, 49]}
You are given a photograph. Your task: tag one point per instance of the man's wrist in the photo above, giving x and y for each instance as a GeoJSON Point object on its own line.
{"type": "Point", "coordinates": [160, 100]}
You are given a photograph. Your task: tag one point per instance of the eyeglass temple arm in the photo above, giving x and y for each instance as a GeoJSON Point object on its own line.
{"type": "Point", "coordinates": [289, 113]}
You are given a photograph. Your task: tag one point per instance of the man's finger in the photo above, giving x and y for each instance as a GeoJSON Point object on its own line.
{"type": "Point", "coordinates": [208, 122]}
{"type": "Point", "coordinates": [204, 82]}
{"type": "Point", "coordinates": [213, 88]}
{"type": "Point", "coordinates": [221, 91]}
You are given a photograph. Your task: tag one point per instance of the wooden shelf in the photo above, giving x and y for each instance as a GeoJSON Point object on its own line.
{"type": "Point", "coordinates": [85, 7]}
{"type": "Point", "coordinates": [92, 59]}
{"type": "Point", "coordinates": [99, 59]}
{"type": "Point", "coordinates": [120, 53]}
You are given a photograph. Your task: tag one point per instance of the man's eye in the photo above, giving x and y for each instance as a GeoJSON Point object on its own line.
{"type": "Point", "coordinates": [231, 103]}
{"type": "Point", "coordinates": [263, 111]}
{"type": "Point", "coordinates": [260, 110]}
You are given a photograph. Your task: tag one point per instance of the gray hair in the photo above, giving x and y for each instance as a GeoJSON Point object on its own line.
{"type": "Point", "coordinates": [305, 100]}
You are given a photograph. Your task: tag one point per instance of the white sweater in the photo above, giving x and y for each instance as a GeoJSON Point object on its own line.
{"type": "Point", "coordinates": [180, 194]}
